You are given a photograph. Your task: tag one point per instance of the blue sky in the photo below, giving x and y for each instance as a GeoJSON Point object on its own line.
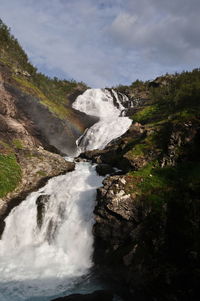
{"type": "Point", "coordinates": [106, 42]}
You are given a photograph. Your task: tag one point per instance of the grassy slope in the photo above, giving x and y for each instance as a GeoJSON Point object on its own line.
{"type": "Point", "coordinates": [10, 173]}
{"type": "Point", "coordinates": [51, 92]}
{"type": "Point", "coordinates": [173, 107]}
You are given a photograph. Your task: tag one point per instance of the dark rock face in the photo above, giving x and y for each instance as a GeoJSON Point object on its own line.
{"type": "Point", "coordinates": [126, 234]}
{"type": "Point", "coordinates": [2, 226]}
{"type": "Point", "coordinates": [41, 203]}
{"type": "Point", "coordinates": [151, 246]}
{"type": "Point", "coordinates": [62, 134]}
{"type": "Point", "coordinates": [95, 296]}
{"type": "Point", "coordinates": [151, 252]}
{"type": "Point", "coordinates": [104, 169]}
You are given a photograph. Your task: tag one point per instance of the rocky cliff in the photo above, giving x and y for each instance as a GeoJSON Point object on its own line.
{"type": "Point", "coordinates": [147, 217]}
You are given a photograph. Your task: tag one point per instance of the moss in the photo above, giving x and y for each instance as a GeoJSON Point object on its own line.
{"type": "Point", "coordinates": [145, 114]}
{"type": "Point", "coordinates": [10, 174]}
{"type": "Point", "coordinates": [17, 143]}
{"type": "Point", "coordinates": [139, 150]}
{"type": "Point", "coordinates": [146, 146]}
{"type": "Point", "coordinates": [150, 184]}
{"type": "Point", "coordinates": [60, 110]}
{"type": "Point", "coordinates": [159, 185]}
{"type": "Point", "coordinates": [28, 87]}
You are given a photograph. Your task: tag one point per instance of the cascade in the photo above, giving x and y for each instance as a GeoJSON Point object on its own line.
{"type": "Point", "coordinates": [57, 249]}
{"type": "Point", "coordinates": [108, 106]}
{"type": "Point", "coordinates": [47, 243]}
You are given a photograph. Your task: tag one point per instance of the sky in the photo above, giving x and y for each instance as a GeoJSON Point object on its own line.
{"type": "Point", "coordinates": [106, 42]}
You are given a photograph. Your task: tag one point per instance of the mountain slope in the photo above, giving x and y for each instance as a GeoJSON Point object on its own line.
{"type": "Point", "coordinates": [147, 220]}
{"type": "Point", "coordinates": [46, 102]}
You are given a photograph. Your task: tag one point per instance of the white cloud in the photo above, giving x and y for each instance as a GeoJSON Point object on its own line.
{"type": "Point", "coordinates": [105, 42]}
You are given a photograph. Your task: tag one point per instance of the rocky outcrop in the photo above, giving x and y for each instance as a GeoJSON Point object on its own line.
{"type": "Point", "coordinates": [149, 248]}
{"type": "Point", "coordinates": [114, 153]}
{"type": "Point", "coordinates": [147, 218]}
{"type": "Point", "coordinates": [124, 236]}
{"type": "Point", "coordinates": [37, 166]}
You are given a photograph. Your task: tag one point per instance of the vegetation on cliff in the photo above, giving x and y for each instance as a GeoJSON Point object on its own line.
{"type": "Point", "coordinates": [51, 92]}
{"type": "Point", "coordinates": [10, 173]}
{"type": "Point", "coordinates": [148, 226]}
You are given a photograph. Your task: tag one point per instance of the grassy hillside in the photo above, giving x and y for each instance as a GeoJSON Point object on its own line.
{"type": "Point", "coordinates": [171, 116]}
{"type": "Point", "coordinates": [52, 92]}
{"type": "Point", "coordinates": [10, 173]}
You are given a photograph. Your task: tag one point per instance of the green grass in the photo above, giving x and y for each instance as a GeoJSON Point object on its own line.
{"type": "Point", "coordinates": [138, 150]}
{"type": "Point", "coordinates": [158, 185]}
{"type": "Point", "coordinates": [17, 143]}
{"type": "Point", "coordinates": [145, 114]}
{"type": "Point", "coordinates": [10, 174]}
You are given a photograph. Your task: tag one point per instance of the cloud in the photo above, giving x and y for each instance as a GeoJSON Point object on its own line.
{"type": "Point", "coordinates": [165, 32]}
{"type": "Point", "coordinates": [105, 43]}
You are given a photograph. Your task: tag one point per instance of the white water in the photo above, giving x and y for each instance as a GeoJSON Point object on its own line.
{"type": "Point", "coordinates": [58, 252]}
{"type": "Point", "coordinates": [100, 103]}
{"type": "Point", "coordinates": [38, 262]}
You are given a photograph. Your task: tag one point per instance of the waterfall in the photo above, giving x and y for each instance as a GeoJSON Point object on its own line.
{"type": "Point", "coordinates": [47, 243]}
{"type": "Point", "coordinates": [58, 248]}
{"type": "Point", "coordinates": [108, 106]}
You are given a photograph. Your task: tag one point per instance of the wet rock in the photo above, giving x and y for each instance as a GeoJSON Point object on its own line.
{"type": "Point", "coordinates": [2, 226]}
{"type": "Point", "coordinates": [104, 169]}
{"type": "Point", "coordinates": [115, 153]}
{"type": "Point", "coordinates": [41, 203]}
{"type": "Point", "coordinates": [101, 295]}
